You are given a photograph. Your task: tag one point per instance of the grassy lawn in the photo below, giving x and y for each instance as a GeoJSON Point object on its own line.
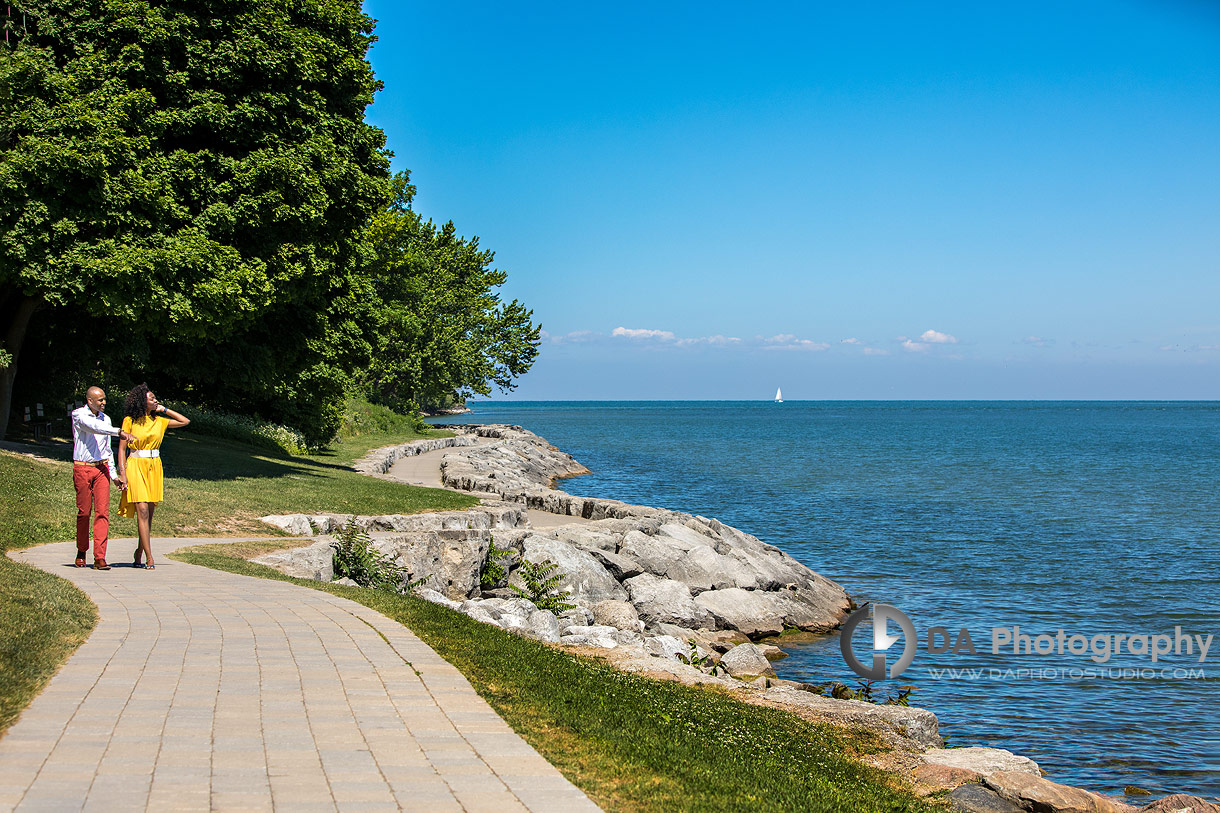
{"type": "Point", "coordinates": [213, 488]}
{"type": "Point", "coordinates": [631, 743]}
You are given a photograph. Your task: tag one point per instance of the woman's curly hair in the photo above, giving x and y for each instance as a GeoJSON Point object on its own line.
{"type": "Point", "coordinates": [136, 407]}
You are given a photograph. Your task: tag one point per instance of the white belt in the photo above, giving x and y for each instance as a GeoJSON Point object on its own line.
{"type": "Point", "coordinates": [145, 453]}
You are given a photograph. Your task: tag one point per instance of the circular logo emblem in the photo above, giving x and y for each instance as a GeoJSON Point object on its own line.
{"type": "Point", "coordinates": [882, 641]}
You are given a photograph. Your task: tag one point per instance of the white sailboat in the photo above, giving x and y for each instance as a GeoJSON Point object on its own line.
{"type": "Point", "coordinates": [779, 396]}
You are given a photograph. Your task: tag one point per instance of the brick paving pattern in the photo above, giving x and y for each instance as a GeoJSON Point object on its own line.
{"type": "Point", "coordinates": [203, 690]}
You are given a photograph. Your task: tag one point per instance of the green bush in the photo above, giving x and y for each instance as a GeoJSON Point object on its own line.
{"type": "Point", "coordinates": [355, 559]}
{"type": "Point", "coordinates": [493, 572]}
{"type": "Point", "coordinates": [245, 429]}
{"type": "Point", "coordinates": [362, 418]}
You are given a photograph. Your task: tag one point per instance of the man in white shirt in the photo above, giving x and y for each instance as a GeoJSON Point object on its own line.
{"type": "Point", "coordinates": [92, 470]}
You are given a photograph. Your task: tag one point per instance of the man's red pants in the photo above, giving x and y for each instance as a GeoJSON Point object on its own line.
{"type": "Point", "coordinates": [92, 497]}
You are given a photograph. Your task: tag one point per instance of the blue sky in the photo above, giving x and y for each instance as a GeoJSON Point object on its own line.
{"type": "Point", "coordinates": [708, 200]}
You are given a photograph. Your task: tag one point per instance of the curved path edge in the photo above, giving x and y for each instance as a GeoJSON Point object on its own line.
{"type": "Point", "coordinates": [206, 690]}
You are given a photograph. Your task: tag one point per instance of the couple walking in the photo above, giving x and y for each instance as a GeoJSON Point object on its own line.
{"type": "Point", "coordinates": [138, 474]}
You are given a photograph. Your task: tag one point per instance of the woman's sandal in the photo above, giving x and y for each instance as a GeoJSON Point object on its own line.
{"type": "Point", "coordinates": [150, 567]}
{"type": "Point", "coordinates": [136, 563]}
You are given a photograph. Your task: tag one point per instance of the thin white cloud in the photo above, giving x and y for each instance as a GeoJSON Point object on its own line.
{"type": "Point", "coordinates": [780, 341]}
{"type": "Point", "coordinates": [1037, 341]}
{"type": "Point", "coordinates": [925, 341]}
{"type": "Point", "coordinates": [644, 333]}
{"type": "Point", "coordinates": [852, 340]}
{"type": "Point", "coordinates": [718, 340]}
{"type": "Point", "coordinates": [789, 341]}
{"type": "Point", "coordinates": [875, 351]}
{"type": "Point", "coordinates": [574, 337]}
{"type": "Point", "coordinates": [936, 337]}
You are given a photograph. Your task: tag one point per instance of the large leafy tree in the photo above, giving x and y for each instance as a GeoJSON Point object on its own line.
{"type": "Point", "coordinates": [441, 329]}
{"type": "Point", "coordinates": [191, 178]}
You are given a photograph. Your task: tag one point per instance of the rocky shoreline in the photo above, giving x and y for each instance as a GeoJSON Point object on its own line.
{"type": "Point", "coordinates": [659, 592]}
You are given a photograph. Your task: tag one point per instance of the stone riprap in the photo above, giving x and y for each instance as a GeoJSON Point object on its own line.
{"type": "Point", "coordinates": [674, 569]}
{"type": "Point", "coordinates": [486, 517]}
{"type": "Point", "coordinates": [517, 463]}
{"type": "Point", "coordinates": [658, 565]}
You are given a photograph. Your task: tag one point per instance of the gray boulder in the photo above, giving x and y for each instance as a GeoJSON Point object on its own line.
{"type": "Point", "coordinates": [515, 604]}
{"type": "Point", "coordinates": [602, 637]}
{"type": "Point", "coordinates": [577, 615]}
{"type": "Point", "coordinates": [542, 625]}
{"type": "Point", "coordinates": [450, 559]}
{"type": "Point", "coordinates": [972, 798]}
{"type": "Point", "coordinates": [436, 598]}
{"type": "Point", "coordinates": [628, 637]}
{"type": "Point", "coordinates": [701, 568]}
{"type": "Point", "coordinates": [513, 622]}
{"type": "Point", "coordinates": [981, 760]}
{"type": "Point", "coordinates": [588, 539]}
{"type": "Point", "coordinates": [666, 646]}
{"type": "Point", "coordinates": [753, 612]}
{"type": "Point", "coordinates": [912, 723]}
{"type": "Point", "coordinates": [619, 566]}
{"type": "Point", "coordinates": [666, 601]}
{"type": "Point", "coordinates": [746, 659]}
{"type": "Point", "coordinates": [478, 614]}
{"type": "Point", "coordinates": [295, 524]}
{"type": "Point", "coordinates": [685, 537]}
{"type": "Point", "coordinates": [654, 554]}
{"type": "Point", "coordinates": [584, 577]}
{"type": "Point", "coordinates": [759, 613]}
{"type": "Point", "coordinates": [620, 614]}
{"type": "Point", "coordinates": [488, 607]}
{"type": "Point", "coordinates": [314, 561]}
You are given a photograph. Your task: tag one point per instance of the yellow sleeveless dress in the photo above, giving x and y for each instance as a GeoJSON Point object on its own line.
{"type": "Point", "coordinates": [145, 477]}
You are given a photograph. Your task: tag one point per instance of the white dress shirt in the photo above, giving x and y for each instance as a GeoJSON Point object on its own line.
{"type": "Point", "coordinates": [91, 436]}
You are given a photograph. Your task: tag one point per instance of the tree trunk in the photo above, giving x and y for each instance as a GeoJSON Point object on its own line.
{"type": "Point", "coordinates": [14, 337]}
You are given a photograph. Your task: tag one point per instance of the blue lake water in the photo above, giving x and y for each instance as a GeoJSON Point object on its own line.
{"type": "Point", "coordinates": [1097, 518]}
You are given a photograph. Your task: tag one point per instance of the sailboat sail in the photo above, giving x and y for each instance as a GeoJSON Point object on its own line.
{"type": "Point", "coordinates": [779, 396]}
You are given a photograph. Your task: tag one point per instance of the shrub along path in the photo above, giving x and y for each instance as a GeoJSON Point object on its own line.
{"type": "Point", "coordinates": [207, 690]}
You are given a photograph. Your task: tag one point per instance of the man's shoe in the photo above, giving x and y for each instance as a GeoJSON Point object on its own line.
{"type": "Point", "coordinates": [80, 558]}
{"type": "Point", "coordinates": [100, 564]}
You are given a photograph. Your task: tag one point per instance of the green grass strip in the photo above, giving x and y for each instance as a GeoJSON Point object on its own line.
{"type": "Point", "coordinates": [630, 742]}
{"type": "Point", "coordinates": [44, 619]}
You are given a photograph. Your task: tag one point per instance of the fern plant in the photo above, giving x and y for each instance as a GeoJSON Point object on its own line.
{"type": "Point", "coordinates": [493, 570]}
{"type": "Point", "coordinates": [355, 558]}
{"type": "Point", "coordinates": [542, 586]}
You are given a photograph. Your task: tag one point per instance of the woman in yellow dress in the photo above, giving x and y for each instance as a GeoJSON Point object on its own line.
{"type": "Point", "coordinates": [140, 463]}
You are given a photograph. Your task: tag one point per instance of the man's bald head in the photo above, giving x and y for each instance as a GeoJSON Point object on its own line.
{"type": "Point", "coordinates": [96, 398]}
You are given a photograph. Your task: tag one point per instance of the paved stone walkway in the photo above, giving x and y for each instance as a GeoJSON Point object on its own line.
{"type": "Point", "coordinates": [203, 690]}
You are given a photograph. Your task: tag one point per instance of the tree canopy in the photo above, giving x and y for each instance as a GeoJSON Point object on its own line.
{"type": "Point", "coordinates": [189, 193]}
{"type": "Point", "coordinates": [440, 328]}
